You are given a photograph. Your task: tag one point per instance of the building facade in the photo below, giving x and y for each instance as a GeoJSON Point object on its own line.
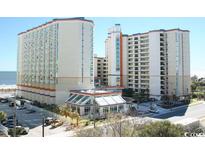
{"type": "Point", "coordinates": [54, 58]}
{"type": "Point", "coordinates": [100, 71]}
{"type": "Point", "coordinates": [159, 62]}
{"type": "Point", "coordinates": [156, 62]}
{"type": "Point", "coordinates": [117, 59]}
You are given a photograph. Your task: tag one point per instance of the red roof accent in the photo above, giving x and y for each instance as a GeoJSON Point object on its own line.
{"type": "Point", "coordinates": [48, 89]}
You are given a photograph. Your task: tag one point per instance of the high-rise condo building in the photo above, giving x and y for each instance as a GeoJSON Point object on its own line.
{"type": "Point", "coordinates": [117, 59]}
{"type": "Point", "coordinates": [54, 58]}
{"type": "Point", "coordinates": [100, 71]}
{"type": "Point", "coordinates": [156, 62]}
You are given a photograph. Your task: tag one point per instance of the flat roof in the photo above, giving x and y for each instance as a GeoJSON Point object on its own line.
{"type": "Point", "coordinates": [56, 20]}
{"type": "Point", "coordinates": [160, 30]}
{"type": "Point", "coordinates": [103, 100]}
{"type": "Point", "coordinates": [97, 92]}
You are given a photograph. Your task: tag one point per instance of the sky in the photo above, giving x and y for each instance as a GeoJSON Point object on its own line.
{"type": "Point", "coordinates": [10, 27]}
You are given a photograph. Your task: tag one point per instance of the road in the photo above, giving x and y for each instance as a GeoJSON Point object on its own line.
{"type": "Point", "coordinates": [195, 111]}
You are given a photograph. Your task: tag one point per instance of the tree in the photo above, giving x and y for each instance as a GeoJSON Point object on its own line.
{"type": "Point", "coordinates": [77, 117]}
{"type": "Point", "coordinates": [194, 78]}
{"type": "Point", "coordinates": [127, 92]}
{"type": "Point", "coordinates": [162, 129]}
{"type": "Point", "coordinates": [65, 111]}
{"type": "Point", "coordinates": [3, 116]}
{"type": "Point", "coordinates": [115, 126]}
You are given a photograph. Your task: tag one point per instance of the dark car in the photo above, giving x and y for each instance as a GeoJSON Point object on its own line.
{"type": "Point", "coordinates": [30, 111]}
{"type": "Point", "coordinates": [9, 125]}
{"type": "Point", "coordinates": [11, 104]}
{"type": "Point", "coordinates": [4, 101]}
{"type": "Point", "coordinates": [48, 121]}
{"type": "Point", "coordinates": [10, 117]}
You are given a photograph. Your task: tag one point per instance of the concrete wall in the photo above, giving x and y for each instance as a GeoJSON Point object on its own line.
{"type": "Point", "coordinates": [154, 63]}
{"type": "Point", "coordinates": [178, 62]}
{"type": "Point", "coordinates": [75, 55]}
{"type": "Point", "coordinates": [125, 60]}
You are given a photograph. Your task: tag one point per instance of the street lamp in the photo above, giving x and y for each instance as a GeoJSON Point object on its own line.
{"type": "Point", "coordinates": [43, 125]}
{"type": "Point", "coordinates": [14, 111]}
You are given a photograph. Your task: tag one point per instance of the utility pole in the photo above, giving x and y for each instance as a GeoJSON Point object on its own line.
{"type": "Point", "coordinates": [14, 109]}
{"type": "Point", "coordinates": [43, 120]}
{"type": "Point", "coordinates": [94, 113]}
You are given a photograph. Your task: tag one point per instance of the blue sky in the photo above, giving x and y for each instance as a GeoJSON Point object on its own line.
{"type": "Point", "coordinates": [10, 27]}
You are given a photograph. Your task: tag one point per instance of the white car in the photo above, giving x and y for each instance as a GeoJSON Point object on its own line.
{"type": "Point", "coordinates": [20, 107]}
{"type": "Point", "coordinates": [153, 110]}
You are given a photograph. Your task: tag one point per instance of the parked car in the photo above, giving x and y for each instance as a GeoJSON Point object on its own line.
{"type": "Point", "coordinates": [11, 104]}
{"type": "Point", "coordinates": [56, 123]}
{"type": "Point", "coordinates": [49, 120]}
{"type": "Point", "coordinates": [10, 117]}
{"type": "Point", "coordinates": [30, 111]}
{"type": "Point", "coordinates": [154, 110]}
{"type": "Point", "coordinates": [9, 125]}
{"type": "Point", "coordinates": [4, 100]}
{"type": "Point", "coordinates": [20, 107]}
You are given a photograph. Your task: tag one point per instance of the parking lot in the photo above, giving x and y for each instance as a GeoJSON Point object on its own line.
{"type": "Point", "coordinates": [31, 118]}
{"type": "Point", "coordinates": [26, 117]}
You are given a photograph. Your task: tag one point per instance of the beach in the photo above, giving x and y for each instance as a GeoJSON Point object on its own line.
{"type": "Point", "coordinates": [7, 90]}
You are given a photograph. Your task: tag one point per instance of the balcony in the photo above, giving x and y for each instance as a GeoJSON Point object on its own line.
{"type": "Point", "coordinates": [144, 50]}
{"type": "Point", "coordinates": [162, 59]}
{"type": "Point", "coordinates": [161, 39]}
{"type": "Point", "coordinates": [162, 73]}
{"type": "Point", "coordinates": [161, 44]}
{"type": "Point", "coordinates": [161, 49]}
{"type": "Point", "coordinates": [162, 54]}
{"type": "Point", "coordinates": [162, 77]}
{"type": "Point", "coordinates": [144, 64]}
{"type": "Point", "coordinates": [144, 46]}
{"type": "Point", "coordinates": [162, 63]}
{"type": "Point", "coordinates": [162, 68]}
{"type": "Point", "coordinates": [162, 87]}
{"type": "Point", "coordinates": [162, 92]}
{"type": "Point", "coordinates": [144, 59]}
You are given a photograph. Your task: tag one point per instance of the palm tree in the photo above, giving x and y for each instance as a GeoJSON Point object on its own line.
{"type": "Point", "coordinates": [65, 111]}
{"type": "Point", "coordinates": [77, 117]}
{"type": "Point", "coordinates": [3, 116]}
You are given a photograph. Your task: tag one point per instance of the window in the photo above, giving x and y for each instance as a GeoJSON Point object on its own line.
{"type": "Point", "coordinates": [113, 108]}
{"type": "Point", "coordinates": [120, 107]}
{"type": "Point", "coordinates": [105, 110]}
{"type": "Point", "coordinates": [87, 110]}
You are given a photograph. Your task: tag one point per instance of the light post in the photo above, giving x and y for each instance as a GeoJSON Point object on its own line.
{"type": "Point", "coordinates": [14, 110]}
{"type": "Point", "coordinates": [43, 125]}
{"type": "Point", "coordinates": [94, 110]}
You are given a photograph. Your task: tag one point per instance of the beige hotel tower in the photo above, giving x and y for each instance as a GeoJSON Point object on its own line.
{"type": "Point", "coordinates": [54, 58]}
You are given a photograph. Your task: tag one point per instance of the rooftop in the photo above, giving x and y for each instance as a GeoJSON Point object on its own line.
{"type": "Point", "coordinates": [56, 20]}
{"type": "Point", "coordinates": [161, 30]}
{"type": "Point", "coordinates": [96, 92]}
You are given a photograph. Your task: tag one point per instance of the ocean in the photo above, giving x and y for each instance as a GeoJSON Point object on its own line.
{"type": "Point", "coordinates": [8, 78]}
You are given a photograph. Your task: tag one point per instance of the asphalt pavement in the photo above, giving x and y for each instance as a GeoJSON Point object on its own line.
{"type": "Point", "coordinates": [195, 111]}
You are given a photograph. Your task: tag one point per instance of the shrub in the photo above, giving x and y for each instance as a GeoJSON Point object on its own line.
{"type": "Point", "coordinates": [19, 131]}
{"type": "Point", "coordinates": [161, 129]}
